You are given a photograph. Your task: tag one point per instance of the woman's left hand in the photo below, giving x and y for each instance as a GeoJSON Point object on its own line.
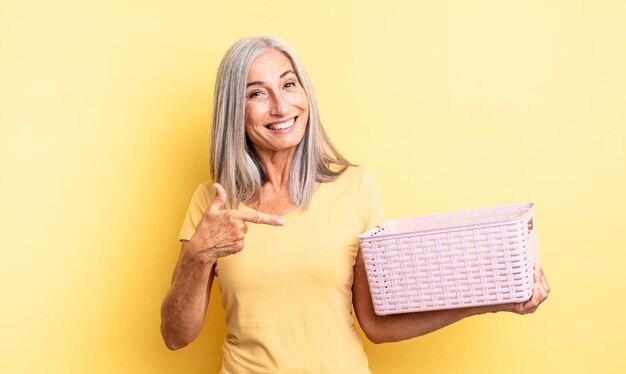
{"type": "Point", "coordinates": [541, 289]}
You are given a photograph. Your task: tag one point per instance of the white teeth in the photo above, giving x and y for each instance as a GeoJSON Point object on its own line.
{"type": "Point", "coordinates": [282, 125]}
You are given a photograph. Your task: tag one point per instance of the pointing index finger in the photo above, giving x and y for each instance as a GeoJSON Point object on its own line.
{"type": "Point", "coordinates": [261, 218]}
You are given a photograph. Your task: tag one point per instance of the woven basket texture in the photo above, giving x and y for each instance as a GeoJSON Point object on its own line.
{"type": "Point", "coordinates": [452, 260]}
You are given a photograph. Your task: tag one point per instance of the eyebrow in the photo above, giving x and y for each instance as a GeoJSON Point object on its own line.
{"type": "Point", "coordinates": [256, 83]}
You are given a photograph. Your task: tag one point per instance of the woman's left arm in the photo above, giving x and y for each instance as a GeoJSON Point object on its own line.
{"type": "Point", "coordinates": [396, 327]}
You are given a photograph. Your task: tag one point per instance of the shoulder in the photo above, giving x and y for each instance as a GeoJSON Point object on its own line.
{"type": "Point", "coordinates": [355, 180]}
{"type": "Point", "coordinates": [358, 183]}
{"type": "Point", "coordinates": [357, 176]}
{"type": "Point", "coordinates": [205, 187]}
{"type": "Point", "coordinates": [199, 202]}
{"type": "Point", "coordinates": [203, 194]}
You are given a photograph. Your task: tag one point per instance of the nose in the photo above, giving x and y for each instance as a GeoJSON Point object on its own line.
{"type": "Point", "coordinates": [279, 105]}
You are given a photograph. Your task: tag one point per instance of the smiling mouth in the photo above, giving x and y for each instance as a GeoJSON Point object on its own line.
{"type": "Point", "coordinates": [281, 125]}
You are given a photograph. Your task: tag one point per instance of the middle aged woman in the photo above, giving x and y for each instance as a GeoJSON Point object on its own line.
{"type": "Point", "coordinates": [278, 181]}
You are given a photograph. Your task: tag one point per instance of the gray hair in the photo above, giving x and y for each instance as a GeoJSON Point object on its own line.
{"type": "Point", "coordinates": [233, 160]}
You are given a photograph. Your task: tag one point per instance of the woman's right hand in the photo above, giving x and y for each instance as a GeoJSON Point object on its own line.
{"type": "Point", "coordinates": [221, 231]}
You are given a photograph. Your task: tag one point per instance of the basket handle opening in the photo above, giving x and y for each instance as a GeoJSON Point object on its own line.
{"type": "Point", "coordinates": [530, 225]}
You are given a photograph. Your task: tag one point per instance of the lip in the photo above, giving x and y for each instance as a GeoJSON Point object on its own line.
{"type": "Point", "coordinates": [282, 130]}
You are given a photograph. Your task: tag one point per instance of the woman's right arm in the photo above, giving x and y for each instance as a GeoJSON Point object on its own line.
{"type": "Point", "coordinates": [184, 306]}
{"type": "Point", "coordinates": [219, 233]}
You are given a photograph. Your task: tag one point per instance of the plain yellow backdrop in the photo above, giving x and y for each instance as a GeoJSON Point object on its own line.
{"type": "Point", "coordinates": [104, 123]}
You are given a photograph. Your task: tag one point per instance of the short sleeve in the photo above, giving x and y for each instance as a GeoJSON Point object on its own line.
{"type": "Point", "coordinates": [199, 202]}
{"type": "Point", "coordinates": [371, 212]}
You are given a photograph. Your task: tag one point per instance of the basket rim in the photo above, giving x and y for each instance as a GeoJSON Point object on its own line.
{"type": "Point", "coordinates": [369, 235]}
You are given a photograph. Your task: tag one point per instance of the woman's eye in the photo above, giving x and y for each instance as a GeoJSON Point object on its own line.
{"type": "Point", "coordinates": [290, 84]}
{"type": "Point", "coordinates": [254, 94]}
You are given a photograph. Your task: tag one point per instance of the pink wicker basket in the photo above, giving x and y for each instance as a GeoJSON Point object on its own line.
{"type": "Point", "coordinates": [452, 260]}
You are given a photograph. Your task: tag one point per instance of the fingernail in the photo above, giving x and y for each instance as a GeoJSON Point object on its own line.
{"type": "Point", "coordinates": [280, 221]}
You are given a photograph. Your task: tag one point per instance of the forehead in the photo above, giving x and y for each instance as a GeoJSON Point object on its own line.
{"type": "Point", "coordinates": [269, 66]}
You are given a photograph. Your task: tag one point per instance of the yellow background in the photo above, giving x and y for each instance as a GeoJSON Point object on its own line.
{"type": "Point", "coordinates": [104, 115]}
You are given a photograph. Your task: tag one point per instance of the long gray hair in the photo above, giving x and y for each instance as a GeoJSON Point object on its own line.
{"type": "Point", "coordinates": [234, 163]}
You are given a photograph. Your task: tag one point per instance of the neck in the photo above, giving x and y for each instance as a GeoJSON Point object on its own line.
{"type": "Point", "coordinates": [273, 198]}
{"type": "Point", "coordinates": [278, 169]}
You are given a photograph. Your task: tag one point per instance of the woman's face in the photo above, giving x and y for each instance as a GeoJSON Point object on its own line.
{"type": "Point", "coordinates": [277, 108]}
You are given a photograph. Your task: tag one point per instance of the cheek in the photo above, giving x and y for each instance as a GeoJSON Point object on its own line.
{"type": "Point", "coordinates": [304, 98]}
{"type": "Point", "coordinates": [253, 115]}
{"type": "Point", "coordinates": [305, 109]}
{"type": "Point", "coordinates": [302, 102]}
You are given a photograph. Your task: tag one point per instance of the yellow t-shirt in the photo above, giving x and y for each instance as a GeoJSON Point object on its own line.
{"type": "Point", "coordinates": [288, 295]}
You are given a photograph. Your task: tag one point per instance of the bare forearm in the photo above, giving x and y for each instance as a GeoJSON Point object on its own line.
{"type": "Point", "coordinates": [397, 327]}
{"type": "Point", "coordinates": [184, 306]}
